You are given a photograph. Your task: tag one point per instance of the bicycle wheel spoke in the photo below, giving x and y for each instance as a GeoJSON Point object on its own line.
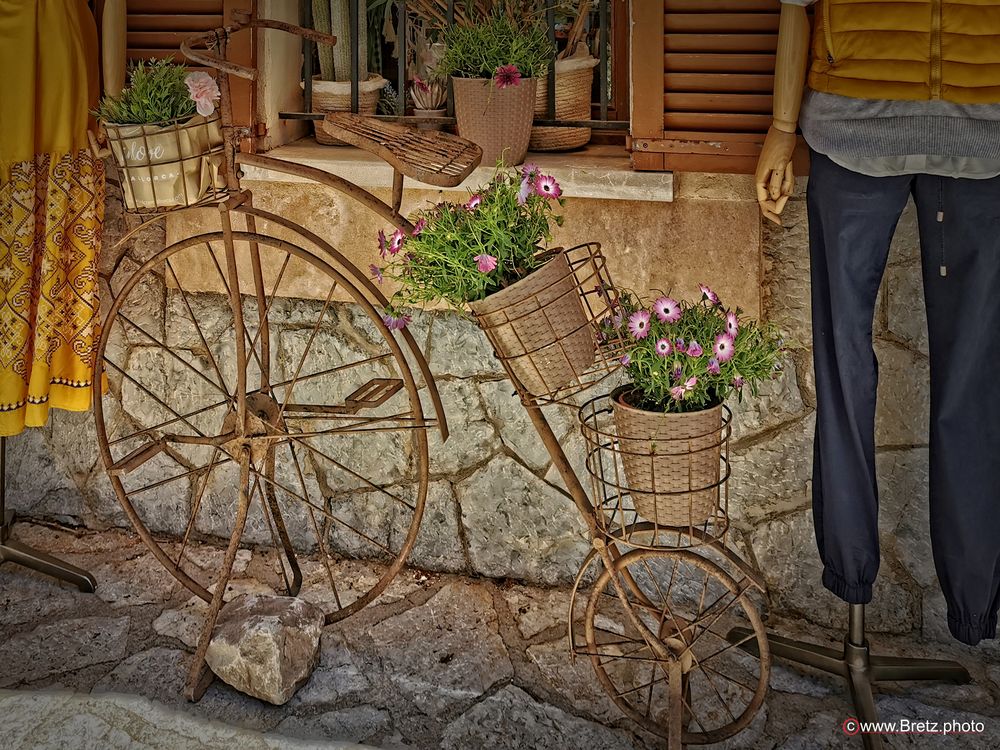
{"type": "Point", "coordinates": [161, 425]}
{"type": "Point", "coordinates": [305, 351]}
{"type": "Point", "coordinates": [225, 283]}
{"type": "Point", "coordinates": [153, 396]}
{"type": "Point", "coordinates": [168, 480]}
{"type": "Point", "coordinates": [201, 335]}
{"type": "Point", "coordinates": [197, 502]}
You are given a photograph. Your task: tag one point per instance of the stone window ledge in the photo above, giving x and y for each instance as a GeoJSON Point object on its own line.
{"type": "Point", "coordinates": [597, 171]}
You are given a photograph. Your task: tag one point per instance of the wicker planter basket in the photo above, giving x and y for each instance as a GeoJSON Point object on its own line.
{"type": "Point", "coordinates": [335, 96]}
{"type": "Point", "coordinates": [497, 120]}
{"type": "Point", "coordinates": [574, 83]}
{"type": "Point", "coordinates": [168, 164]}
{"type": "Point", "coordinates": [539, 329]}
{"type": "Point", "coordinates": [671, 461]}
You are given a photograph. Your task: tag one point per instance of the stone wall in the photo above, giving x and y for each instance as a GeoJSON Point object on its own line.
{"type": "Point", "coordinates": [493, 508]}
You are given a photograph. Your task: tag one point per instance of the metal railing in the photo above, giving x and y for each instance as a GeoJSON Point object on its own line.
{"type": "Point", "coordinates": [358, 25]}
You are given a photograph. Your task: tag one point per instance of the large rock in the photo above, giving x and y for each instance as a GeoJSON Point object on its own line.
{"type": "Point", "coordinates": [266, 646]}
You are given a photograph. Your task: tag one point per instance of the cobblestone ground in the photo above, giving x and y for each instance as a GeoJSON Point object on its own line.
{"type": "Point", "coordinates": [439, 661]}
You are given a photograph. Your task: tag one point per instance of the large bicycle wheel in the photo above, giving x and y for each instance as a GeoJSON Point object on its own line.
{"type": "Point", "coordinates": [318, 390]}
{"type": "Point", "coordinates": [662, 653]}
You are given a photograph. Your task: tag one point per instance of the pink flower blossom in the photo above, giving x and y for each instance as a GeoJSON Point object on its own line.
{"type": "Point", "coordinates": [708, 294]}
{"type": "Point", "coordinates": [638, 324]}
{"type": "Point", "coordinates": [663, 347]}
{"type": "Point", "coordinates": [473, 203]}
{"type": "Point", "coordinates": [678, 392]}
{"type": "Point", "coordinates": [204, 91]}
{"type": "Point", "coordinates": [507, 75]}
{"type": "Point", "coordinates": [396, 323]}
{"type": "Point", "coordinates": [485, 263]}
{"type": "Point", "coordinates": [723, 349]}
{"type": "Point", "coordinates": [382, 244]}
{"type": "Point", "coordinates": [732, 324]}
{"type": "Point", "coordinates": [738, 381]}
{"type": "Point", "coordinates": [419, 227]}
{"type": "Point", "coordinates": [419, 83]}
{"type": "Point", "coordinates": [667, 310]}
{"type": "Point", "coordinates": [713, 366]}
{"type": "Point", "coordinates": [376, 273]}
{"type": "Point", "coordinates": [680, 347]}
{"type": "Point", "coordinates": [626, 360]}
{"type": "Point", "coordinates": [530, 171]}
{"type": "Point", "coordinates": [524, 192]}
{"type": "Point", "coordinates": [396, 241]}
{"type": "Point", "coordinates": [547, 187]}
{"type": "Point", "coordinates": [694, 349]}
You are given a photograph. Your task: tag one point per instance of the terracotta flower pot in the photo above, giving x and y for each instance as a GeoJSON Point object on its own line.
{"type": "Point", "coordinates": [539, 328]}
{"type": "Point", "coordinates": [671, 461]}
{"type": "Point", "coordinates": [430, 113]}
{"type": "Point", "coordinates": [497, 120]}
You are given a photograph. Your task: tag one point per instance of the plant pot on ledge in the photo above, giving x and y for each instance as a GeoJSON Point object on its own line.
{"type": "Point", "coordinates": [498, 120]}
{"type": "Point", "coordinates": [671, 460]}
{"type": "Point", "coordinates": [538, 327]}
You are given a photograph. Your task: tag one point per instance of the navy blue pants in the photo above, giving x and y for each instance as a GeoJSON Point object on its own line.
{"type": "Point", "coordinates": [852, 218]}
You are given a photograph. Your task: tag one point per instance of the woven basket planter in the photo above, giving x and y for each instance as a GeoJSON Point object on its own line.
{"type": "Point", "coordinates": [335, 96]}
{"type": "Point", "coordinates": [497, 120]}
{"type": "Point", "coordinates": [574, 83]}
{"type": "Point", "coordinates": [539, 329]}
{"type": "Point", "coordinates": [671, 461]}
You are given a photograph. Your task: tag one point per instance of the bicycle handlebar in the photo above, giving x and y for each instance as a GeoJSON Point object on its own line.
{"type": "Point", "coordinates": [210, 40]}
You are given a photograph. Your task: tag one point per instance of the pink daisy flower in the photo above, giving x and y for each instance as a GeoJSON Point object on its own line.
{"type": "Point", "coordinates": [694, 349]}
{"type": "Point", "coordinates": [680, 347]}
{"type": "Point", "coordinates": [525, 191]}
{"type": "Point", "coordinates": [638, 324]}
{"type": "Point", "coordinates": [394, 323]}
{"type": "Point", "coordinates": [678, 392]}
{"type": "Point", "coordinates": [708, 294]}
{"type": "Point", "coordinates": [507, 75]}
{"type": "Point", "coordinates": [691, 383]}
{"type": "Point", "coordinates": [473, 203]}
{"type": "Point", "coordinates": [626, 360]}
{"type": "Point", "coordinates": [547, 187]}
{"type": "Point", "coordinates": [530, 170]}
{"type": "Point", "coordinates": [667, 310]}
{"type": "Point", "coordinates": [485, 263]}
{"type": "Point", "coordinates": [663, 347]}
{"type": "Point", "coordinates": [396, 241]}
{"type": "Point", "coordinates": [376, 273]}
{"type": "Point", "coordinates": [732, 324]}
{"type": "Point", "coordinates": [713, 366]}
{"type": "Point", "coordinates": [723, 349]}
{"type": "Point", "coordinates": [419, 227]}
{"type": "Point", "coordinates": [738, 381]}
{"type": "Point", "coordinates": [382, 245]}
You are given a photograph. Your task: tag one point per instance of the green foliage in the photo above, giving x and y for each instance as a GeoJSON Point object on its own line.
{"type": "Point", "coordinates": [439, 261]}
{"type": "Point", "coordinates": [156, 92]}
{"type": "Point", "coordinates": [478, 49]}
{"type": "Point", "coordinates": [683, 380]}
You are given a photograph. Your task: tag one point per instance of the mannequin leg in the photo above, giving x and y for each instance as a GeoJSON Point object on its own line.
{"type": "Point", "coordinates": [960, 232]}
{"type": "Point", "coordinates": [852, 218]}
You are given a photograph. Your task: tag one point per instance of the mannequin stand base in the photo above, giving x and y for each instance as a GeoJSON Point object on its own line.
{"type": "Point", "coordinates": [857, 666]}
{"type": "Point", "coordinates": [15, 552]}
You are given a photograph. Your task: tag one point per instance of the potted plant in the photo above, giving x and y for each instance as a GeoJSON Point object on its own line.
{"type": "Point", "coordinates": [574, 84]}
{"type": "Point", "coordinates": [331, 89]}
{"type": "Point", "coordinates": [429, 99]}
{"type": "Point", "coordinates": [489, 255]}
{"type": "Point", "coordinates": [494, 63]}
{"type": "Point", "coordinates": [163, 131]}
{"type": "Point", "coordinates": [684, 360]}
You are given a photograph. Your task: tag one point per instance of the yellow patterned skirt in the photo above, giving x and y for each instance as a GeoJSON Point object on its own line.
{"type": "Point", "coordinates": [51, 210]}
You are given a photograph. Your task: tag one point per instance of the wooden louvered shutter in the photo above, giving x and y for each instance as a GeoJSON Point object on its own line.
{"type": "Point", "coordinates": [707, 106]}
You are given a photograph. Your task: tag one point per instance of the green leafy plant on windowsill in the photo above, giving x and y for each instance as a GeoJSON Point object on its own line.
{"type": "Point", "coordinates": [496, 41]}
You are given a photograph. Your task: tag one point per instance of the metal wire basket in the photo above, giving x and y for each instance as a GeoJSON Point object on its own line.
{"type": "Point", "coordinates": [550, 340]}
{"type": "Point", "coordinates": [673, 514]}
{"type": "Point", "coordinates": [169, 165]}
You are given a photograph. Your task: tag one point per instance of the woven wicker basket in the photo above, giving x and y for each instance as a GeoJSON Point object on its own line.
{"type": "Point", "coordinates": [539, 328]}
{"type": "Point", "coordinates": [335, 96]}
{"type": "Point", "coordinates": [671, 461]}
{"type": "Point", "coordinates": [574, 84]}
{"type": "Point", "coordinates": [497, 120]}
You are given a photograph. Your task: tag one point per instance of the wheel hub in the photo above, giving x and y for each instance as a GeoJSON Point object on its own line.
{"type": "Point", "coordinates": [263, 421]}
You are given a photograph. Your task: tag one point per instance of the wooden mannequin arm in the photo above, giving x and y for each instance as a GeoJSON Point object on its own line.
{"type": "Point", "coordinates": [113, 46]}
{"type": "Point", "coordinates": [774, 178]}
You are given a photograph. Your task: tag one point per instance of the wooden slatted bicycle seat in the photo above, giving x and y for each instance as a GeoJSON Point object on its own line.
{"type": "Point", "coordinates": [432, 157]}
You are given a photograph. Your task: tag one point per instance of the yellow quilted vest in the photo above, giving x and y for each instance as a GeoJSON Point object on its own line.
{"type": "Point", "coordinates": [908, 49]}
